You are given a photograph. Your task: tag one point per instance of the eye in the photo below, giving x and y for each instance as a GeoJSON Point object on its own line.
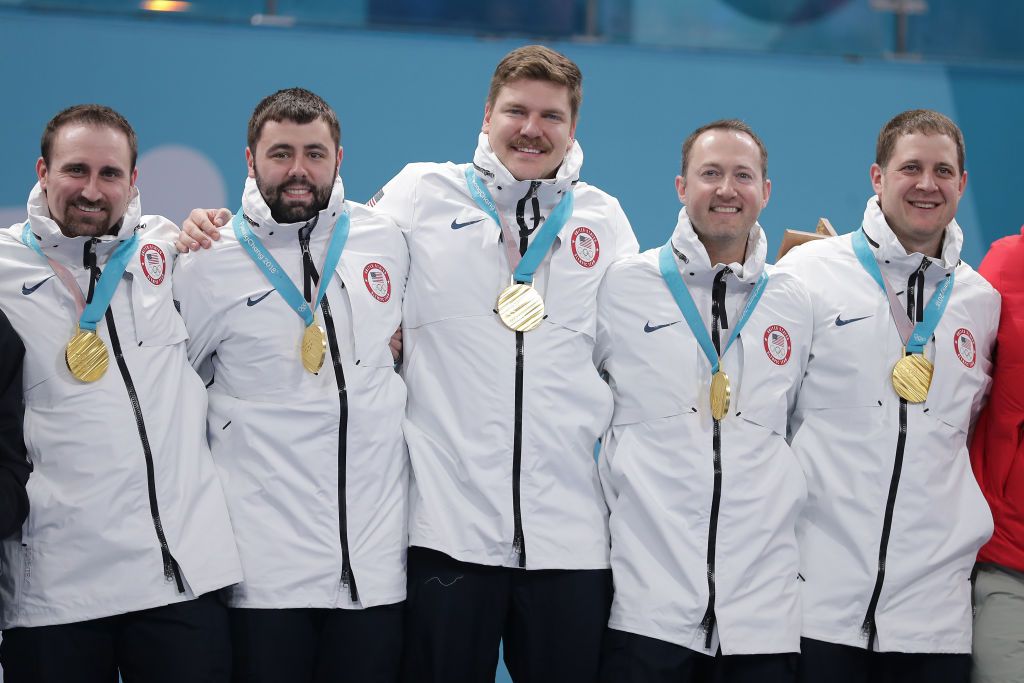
{"type": "Point", "coordinates": [553, 117]}
{"type": "Point", "coordinates": [111, 173]}
{"type": "Point", "coordinates": [709, 173]}
{"type": "Point", "coordinates": [75, 170]}
{"type": "Point", "coordinates": [946, 171]}
{"type": "Point", "coordinates": [317, 155]}
{"type": "Point", "coordinates": [743, 175]}
{"type": "Point", "coordinates": [910, 168]}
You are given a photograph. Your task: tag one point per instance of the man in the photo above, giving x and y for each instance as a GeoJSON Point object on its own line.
{"type": "Point", "coordinates": [704, 497]}
{"type": "Point", "coordinates": [14, 466]}
{"type": "Point", "coordinates": [128, 536]}
{"type": "Point", "coordinates": [999, 581]}
{"type": "Point", "coordinates": [900, 362]}
{"type": "Point", "coordinates": [307, 437]}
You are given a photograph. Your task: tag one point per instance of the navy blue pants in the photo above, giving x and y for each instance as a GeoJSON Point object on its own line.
{"type": "Point", "coordinates": [822, 662]}
{"type": "Point", "coordinates": [632, 658]}
{"type": "Point", "coordinates": [317, 645]}
{"type": "Point", "coordinates": [186, 641]}
{"type": "Point", "coordinates": [550, 621]}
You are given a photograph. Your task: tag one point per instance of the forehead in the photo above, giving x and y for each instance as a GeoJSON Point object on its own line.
{"type": "Point", "coordinates": [95, 145]}
{"type": "Point", "coordinates": [288, 132]}
{"type": "Point", "coordinates": [536, 93]}
{"type": "Point", "coordinates": [935, 148]}
{"type": "Point", "coordinates": [725, 148]}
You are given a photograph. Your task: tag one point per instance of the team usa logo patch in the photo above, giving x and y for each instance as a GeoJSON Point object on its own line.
{"type": "Point", "coordinates": [154, 263]}
{"type": "Point", "coordinates": [377, 282]}
{"type": "Point", "coordinates": [963, 344]}
{"type": "Point", "coordinates": [585, 247]}
{"type": "Point", "coordinates": [777, 344]}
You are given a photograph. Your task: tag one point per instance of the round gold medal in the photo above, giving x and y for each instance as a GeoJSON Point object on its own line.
{"type": "Point", "coordinates": [720, 392]}
{"type": "Point", "coordinates": [314, 348]}
{"type": "Point", "coordinates": [912, 377]}
{"type": "Point", "coordinates": [86, 356]}
{"type": "Point", "coordinates": [521, 307]}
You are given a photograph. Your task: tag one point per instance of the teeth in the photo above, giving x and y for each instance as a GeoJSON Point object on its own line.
{"type": "Point", "coordinates": [924, 205]}
{"type": "Point", "coordinates": [725, 209]}
{"type": "Point", "coordinates": [87, 209]}
{"type": "Point", "coordinates": [527, 150]}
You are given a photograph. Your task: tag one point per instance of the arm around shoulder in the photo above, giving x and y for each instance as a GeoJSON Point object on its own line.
{"type": "Point", "coordinates": [14, 464]}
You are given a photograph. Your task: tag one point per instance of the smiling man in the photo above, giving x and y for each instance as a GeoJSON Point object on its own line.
{"type": "Point", "coordinates": [128, 536]}
{"type": "Point", "coordinates": [289, 319]}
{"type": "Point", "coordinates": [508, 528]}
{"type": "Point", "coordinates": [704, 346]}
{"type": "Point", "coordinates": [900, 363]}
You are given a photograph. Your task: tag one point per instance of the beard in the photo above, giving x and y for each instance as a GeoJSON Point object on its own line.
{"type": "Point", "coordinates": [79, 224]}
{"type": "Point", "coordinates": [287, 210]}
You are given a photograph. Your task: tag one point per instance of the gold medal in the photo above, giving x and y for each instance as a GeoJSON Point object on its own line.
{"type": "Point", "coordinates": [521, 307]}
{"type": "Point", "coordinates": [314, 347]}
{"type": "Point", "coordinates": [720, 392]}
{"type": "Point", "coordinates": [912, 377]}
{"type": "Point", "coordinates": [86, 356]}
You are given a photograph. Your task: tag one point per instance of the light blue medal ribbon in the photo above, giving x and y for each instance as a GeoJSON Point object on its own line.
{"type": "Point", "coordinates": [923, 330]}
{"type": "Point", "coordinates": [276, 275]}
{"type": "Point", "coordinates": [541, 244]}
{"type": "Point", "coordinates": [720, 388]}
{"type": "Point", "coordinates": [104, 290]}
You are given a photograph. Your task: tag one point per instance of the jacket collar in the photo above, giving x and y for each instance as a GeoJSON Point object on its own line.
{"type": "Point", "coordinates": [69, 250]}
{"type": "Point", "coordinates": [268, 230]}
{"type": "Point", "coordinates": [887, 247]}
{"type": "Point", "coordinates": [507, 191]}
{"type": "Point", "coordinates": [686, 243]}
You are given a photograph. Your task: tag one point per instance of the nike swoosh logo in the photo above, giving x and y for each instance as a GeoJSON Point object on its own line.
{"type": "Point", "coordinates": [253, 302]}
{"type": "Point", "coordinates": [456, 225]}
{"type": "Point", "coordinates": [651, 328]}
{"type": "Point", "coordinates": [28, 290]}
{"type": "Point", "coordinates": [840, 322]}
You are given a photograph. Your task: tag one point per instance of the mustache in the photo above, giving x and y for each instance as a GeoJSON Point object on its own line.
{"type": "Point", "coordinates": [533, 143]}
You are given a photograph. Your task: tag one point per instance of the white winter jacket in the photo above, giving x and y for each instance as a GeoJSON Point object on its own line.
{"type": "Point", "coordinates": [679, 532]}
{"type": "Point", "coordinates": [501, 425]}
{"type": "Point", "coordinates": [127, 512]}
{"type": "Point", "coordinates": [316, 477]}
{"type": "Point", "coordinates": [894, 517]}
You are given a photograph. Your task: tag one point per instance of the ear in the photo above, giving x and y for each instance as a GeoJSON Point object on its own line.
{"type": "Point", "coordinates": [135, 176]}
{"type": "Point", "coordinates": [767, 192]}
{"type": "Point", "coordinates": [963, 183]}
{"type": "Point", "coordinates": [250, 161]}
{"type": "Point", "coordinates": [876, 178]}
{"type": "Point", "coordinates": [41, 172]}
{"type": "Point", "coordinates": [572, 131]}
{"type": "Point", "coordinates": [486, 127]}
{"type": "Point", "coordinates": [681, 188]}
{"type": "Point", "coordinates": [341, 153]}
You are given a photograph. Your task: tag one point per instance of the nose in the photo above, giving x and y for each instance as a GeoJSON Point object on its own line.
{"type": "Point", "coordinates": [725, 188]}
{"type": "Point", "coordinates": [926, 182]}
{"type": "Point", "coordinates": [531, 126]}
{"type": "Point", "coordinates": [91, 190]}
{"type": "Point", "coordinates": [297, 169]}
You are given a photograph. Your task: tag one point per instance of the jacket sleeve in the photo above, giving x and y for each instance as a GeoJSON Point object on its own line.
{"type": "Point", "coordinates": [192, 290]}
{"type": "Point", "coordinates": [14, 465]}
{"type": "Point", "coordinates": [397, 198]}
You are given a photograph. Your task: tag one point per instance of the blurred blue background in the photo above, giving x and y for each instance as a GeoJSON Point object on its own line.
{"type": "Point", "coordinates": [816, 78]}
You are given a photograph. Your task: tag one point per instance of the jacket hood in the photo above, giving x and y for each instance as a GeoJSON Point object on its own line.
{"type": "Point", "coordinates": [506, 190]}
{"type": "Point", "coordinates": [688, 245]}
{"type": "Point", "coordinates": [256, 209]}
{"type": "Point", "coordinates": [887, 247]}
{"type": "Point", "coordinates": [57, 245]}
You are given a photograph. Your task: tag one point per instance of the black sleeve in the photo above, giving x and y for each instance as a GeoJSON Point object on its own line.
{"type": "Point", "coordinates": [14, 465]}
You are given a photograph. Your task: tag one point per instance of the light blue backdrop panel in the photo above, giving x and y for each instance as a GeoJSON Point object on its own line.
{"type": "Point", "coordinates": [189, 89]}
{"type": "Point", "coordinates": [405, 97]}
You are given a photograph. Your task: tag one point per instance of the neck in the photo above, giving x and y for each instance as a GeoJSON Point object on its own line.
{"type": "Point", "coordinates": [930, 247]}
{"type": "Point", "coordinates": [725, 252]}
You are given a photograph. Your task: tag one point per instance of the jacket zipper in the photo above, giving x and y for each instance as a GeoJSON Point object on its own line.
{"type": "Point", "coordinates": [519, 539]}
{"type": "Point", "coordinates": [348, 579]}
{"type": "Point", "coordinates": [172, 572]}
{"type": "Point", "coordinates": [718, 318]}
{"type": "Point", "coordinates": [915, 284]}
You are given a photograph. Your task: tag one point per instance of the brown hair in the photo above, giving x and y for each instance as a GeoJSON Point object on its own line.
{"type": "Point", "coordinates": [292, 104]}
{"type": "Point", "coordinates": [538, 63]}
{"type": "Point", "coordinates": [90, 115]}
{"type": "Point", "coordinates": [924, 121]}
{"type": "Point", "coordinates": [725, 124]}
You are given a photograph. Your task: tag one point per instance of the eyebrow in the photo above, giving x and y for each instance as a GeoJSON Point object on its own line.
{"type": "Point", "coordinates": [286, 146]}
{"type": "Point", "coordinates": [103, 169]}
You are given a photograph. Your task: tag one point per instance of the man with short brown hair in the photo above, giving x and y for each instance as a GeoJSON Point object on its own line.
{"type": "Point", "coordinates": [900, 363]}
{"type": "Point", "coordinates": [128, 537]}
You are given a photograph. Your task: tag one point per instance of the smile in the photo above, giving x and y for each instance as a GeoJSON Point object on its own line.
{"type": "Point", "coordinates": [725, 209]}
{"type": "Point", "coordinates": [88, 209]}
{"type": "Point", "coordinates": [527, 150]}
{"type": "Point", "coordinates": [924, 205]}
